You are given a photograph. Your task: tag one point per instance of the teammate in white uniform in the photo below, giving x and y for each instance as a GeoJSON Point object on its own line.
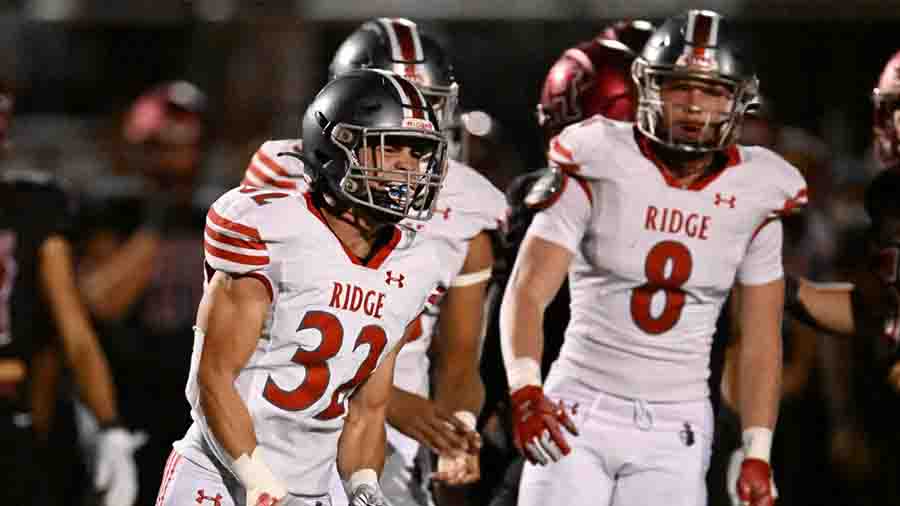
{"type": "Point", "coordinates": [468, 209]}
{"type": "Point", "coordinates": [309, 298]}
{"type": "Point", "coordinates": [654, 225]}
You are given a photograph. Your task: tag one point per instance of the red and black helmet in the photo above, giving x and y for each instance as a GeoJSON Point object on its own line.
{"type": "Point", "coordinates": [593, 77]}
{"type": "Point", "coordinates": [698, 44]}
{"type": "Point", "coordinates": [397, 45]}
{"type": "Point", "coordinates": [634, 33]}
{"type": "Point", "coordinates": [886, 120]}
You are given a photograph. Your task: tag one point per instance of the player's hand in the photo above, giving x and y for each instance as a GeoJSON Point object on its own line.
{"type": "Point", "coordinates": [115, 474]}
{"type": "Point", "coordinates": [262, 487]}
{"type": "Point", "coordinates": [536, 426]}
{"type": "Point", "coordinates": [750, 481]}
{"type": "Point", "coordinates": [431, 425]}
{"type": "Point", "coordinates": [368, 495]}
{"type": "Point", "coordinates": [458, 469]}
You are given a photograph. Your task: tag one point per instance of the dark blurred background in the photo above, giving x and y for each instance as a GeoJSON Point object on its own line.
{"type": "Point", "coordinates": [77, 67]}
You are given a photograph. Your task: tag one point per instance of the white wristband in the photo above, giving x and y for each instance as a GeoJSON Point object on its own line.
{"type": "Point", "coordinates": [757, 443]}
{"type": "Point", "coordinates": [467, 418]}
{"type": "Point", "coordinates": [522, 372]}
{"type": "Point", "coordinates": [472, 278]}
{"type": "Point", "coordinates": [253, 473]}
{"type": "Point", "coordinates": [359, 478]}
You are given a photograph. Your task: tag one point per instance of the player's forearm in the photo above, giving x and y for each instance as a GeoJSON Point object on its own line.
{"type": "Point", "coordinates": [225, 412]}
{"type": "Point", "coordinates": [459, 387]}
{"type": "Point", "coordinates": [362, 442]}
{"type": "Point", "coordinates": [759, 380]}
{"type": "Point", "coordinates": [112, 287]}
{"type": "Point", "coordinates": [521, 333]}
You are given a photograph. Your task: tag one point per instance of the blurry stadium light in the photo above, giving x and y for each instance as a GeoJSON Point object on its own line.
{"type": "Point", "coordinates": [214, 10]}
{"type": "Point", "coordinates": [52, 10]}
{"type": "Point", "coordinates": [478, 123]}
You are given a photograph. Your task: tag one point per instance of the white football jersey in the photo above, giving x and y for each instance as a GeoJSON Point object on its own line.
{"type": "Point", "coordinates": [654, 262]}
{"type": "Point", "coordinates": [333, 318]}
{"type": "Point", "coordinates": [467, 204]}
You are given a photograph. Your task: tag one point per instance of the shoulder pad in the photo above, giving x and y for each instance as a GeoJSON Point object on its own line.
{"type": "Point", "coordinates": [546, 189]}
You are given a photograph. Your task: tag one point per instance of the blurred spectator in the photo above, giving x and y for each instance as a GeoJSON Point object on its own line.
{"type": "Point", "coordinates": [39, 300]}
{"type": "Point", "coordinates": [863, 400]}
{"type": "Point", "coordinates": [142, 269]}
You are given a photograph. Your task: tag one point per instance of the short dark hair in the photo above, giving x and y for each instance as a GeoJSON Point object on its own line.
{"type": "Point", "coordinates": [882, 198]}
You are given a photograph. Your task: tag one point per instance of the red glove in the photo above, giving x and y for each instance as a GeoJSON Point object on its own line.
{"type": "Point", "coordinates": [755, 483]}
{"type": "Point", "coordinates": [536, 422]}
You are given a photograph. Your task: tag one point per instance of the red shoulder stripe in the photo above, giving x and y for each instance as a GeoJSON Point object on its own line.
{"type": "Point", "coordinates": [227, 224]}
{"type": "Point", "coordinates": [232, 241]}
{"type": "Point", "coordinates": [794, 203]}
{"type": "Point", "coordinates": [268, 180]}
{"type": "Point", "coordinates": [234, 257]}
{"type": "Point", "coordinates": [272, 164]}
{"type": "Point", "coordinates": [558, 148]}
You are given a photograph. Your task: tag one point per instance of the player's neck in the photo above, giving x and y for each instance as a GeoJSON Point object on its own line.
{"type": "Point", "coordinates": [686, 167]}
{"type": "Point", "coordinates": [355, 231]}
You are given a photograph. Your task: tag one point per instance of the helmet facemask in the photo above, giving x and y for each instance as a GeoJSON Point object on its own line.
{"type": "Point", "coordinates": [407, 192]}
{"type": "Point", "coordinates": [444, 100]}
{"type": "Point", "coordinates": [712, 130]}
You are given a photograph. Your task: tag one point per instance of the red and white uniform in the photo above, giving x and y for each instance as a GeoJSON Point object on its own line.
{"type": "Point", "coordinates": [333, 319]}
{"type": "Point", "coordinates": [467, 204]}
{"type": "Point", "coordinates": [653, 264]}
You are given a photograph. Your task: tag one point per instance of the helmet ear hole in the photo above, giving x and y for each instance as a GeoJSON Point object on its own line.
{"type": "Point", "coordinates": [321, 120]}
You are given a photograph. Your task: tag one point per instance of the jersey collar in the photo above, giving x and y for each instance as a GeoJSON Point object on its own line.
{"type": "Point", "coordinates": [725, 159]}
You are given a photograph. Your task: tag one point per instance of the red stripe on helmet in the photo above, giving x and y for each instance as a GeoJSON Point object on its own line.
{"type": "Point", "coordinates": [406, 41]}
{"type": "Point", "coordinates": [702, 34]}
{"type": "Point", "coordinates": [416, 102]}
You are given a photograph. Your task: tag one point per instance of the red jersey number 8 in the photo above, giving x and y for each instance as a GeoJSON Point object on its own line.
{"type": "Point", "coordinates": [661, 255]}
{"type": "Point", "coordinates": [318, 375]}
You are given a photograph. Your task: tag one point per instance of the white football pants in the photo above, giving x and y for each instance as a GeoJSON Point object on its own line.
{"type": "Point", "coordinates": [629, 453]}
{"type": "Point", "coordinates": [185, 483]}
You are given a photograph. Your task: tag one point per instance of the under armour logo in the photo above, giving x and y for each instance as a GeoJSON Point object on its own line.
{"type": "Point", "coordinates": [720, 199]}
{"type": "Point", "coordinates": [201, 496]}
{"type": "Point", "coordinates": [445, 212]}
{"type": "Point", "coordinates": [391, 279]}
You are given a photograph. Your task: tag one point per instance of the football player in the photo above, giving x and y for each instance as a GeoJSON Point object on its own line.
{"type": "Point", "coordinates": [38, 299]}
{"type": "Point", "coordinates": [654, 224]}
{"type": "Point", "coordinates": [590, 78]}
{"type": "Point", "coordinates": [309, 297]}
{"type": "Point", "coordinates": [469, 209]}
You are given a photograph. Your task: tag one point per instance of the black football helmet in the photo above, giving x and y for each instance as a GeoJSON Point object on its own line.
{"type": "Point", "coordinates": [358, 114]}
{"type": "Point", "coordinates": [696, 45]}
{"type": "Point", "coordinates": [395, 44]}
